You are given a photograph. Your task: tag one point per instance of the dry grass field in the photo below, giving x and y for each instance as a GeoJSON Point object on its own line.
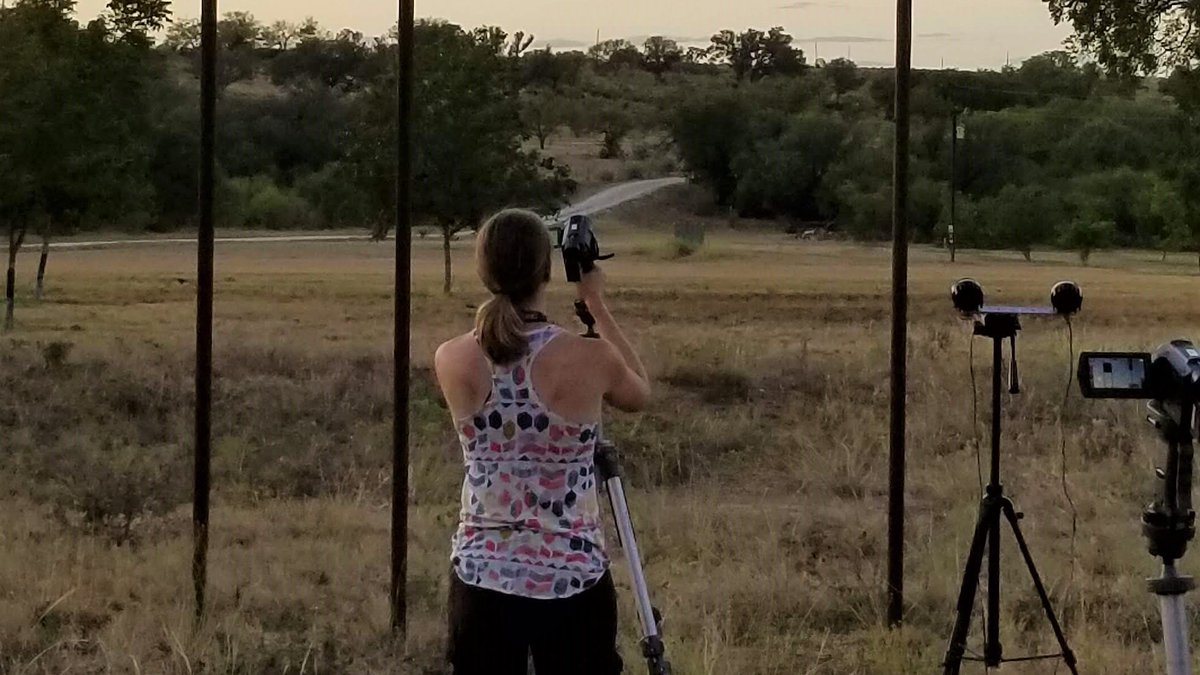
{"type": "Point", "coordinates": [758, 477]}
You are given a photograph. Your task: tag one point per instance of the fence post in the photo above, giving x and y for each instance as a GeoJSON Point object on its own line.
{"type": "Point", "coordinates": [899, 316]}
{"type": "Point", "coordinates": [204, 302]}
{"type": "Point", "coordinates": [404, 49]}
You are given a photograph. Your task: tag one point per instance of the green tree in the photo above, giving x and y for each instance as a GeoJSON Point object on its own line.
{"type": "Point", "coordinates": [1184, 87]}
{"type": "Point", "coordinates": [543, 112]}
{"type": "Point", "coordinates": [1057, 73]}
{"type": "Point", "coordinates": [614, 55]}
{"type": "Point", "coordinates": [1169, 212]}
{"type": "Point", "coordinates": [843, 74]}
{"type": "Point", "coordinates": [183, 35]}
{"type": "Point", "coordinates": [1023, 216]}
{"type": "Point", "coordinates": [467, 136]}
{"type": "Point", "coordinates": [1133, 36]}
{"type": "Point", "coordinates": [544, 69]}
{"type": "Point", "coordinates": [754, 54]}
{"type": "Point", "coordinates": [709, 133]}
{"type": "Point", "coordinates": [662, 55]}
{"type": "Point", "coordinates": [76, 104]}
{"type": "Point", "coordinates": [339, 62]}
{"type": "Point", "coordinates": [784, 173]}
{"type": "Point", "coordinates": [1088, 237]}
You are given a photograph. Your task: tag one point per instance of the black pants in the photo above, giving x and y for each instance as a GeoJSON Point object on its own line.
{"type": "Point", "coordinates": [494, 633]}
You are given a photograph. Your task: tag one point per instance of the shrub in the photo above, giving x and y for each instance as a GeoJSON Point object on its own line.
{"type": "Point", "coordinates": [258, 202]}
{"type": "Point", "coordinates": [111, 489]}
{"type": "Point", "coordinates": [337, 200]}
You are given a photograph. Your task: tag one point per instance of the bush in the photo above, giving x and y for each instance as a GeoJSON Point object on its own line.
{"type": "Point", "coordinates": [337, 200]}
{"type": "Point", "coordinates": [111, 489]}
{"type": "Point", "coordinates": [258, 202]}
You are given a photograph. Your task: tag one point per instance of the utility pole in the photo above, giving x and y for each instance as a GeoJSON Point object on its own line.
{"type": "Point", "coordinates": [953, 179]}
{"type": "Point", "coordinates": [899, 381]}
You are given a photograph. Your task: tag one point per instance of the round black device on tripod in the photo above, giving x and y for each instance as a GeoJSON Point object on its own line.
{"type": "Point", "coordinates": [999, 323]}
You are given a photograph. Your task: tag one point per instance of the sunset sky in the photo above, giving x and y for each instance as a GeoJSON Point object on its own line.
{"type": "Point", "coordinates": [959, 33]}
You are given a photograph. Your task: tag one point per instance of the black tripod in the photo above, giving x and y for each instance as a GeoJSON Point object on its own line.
{"type": "Point", "coordinates": [998, 327]}
{"type": "Point", "coordinates": [608, 472]}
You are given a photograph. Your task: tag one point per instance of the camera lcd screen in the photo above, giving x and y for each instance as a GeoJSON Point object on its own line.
{"type": "Point", "coordinates": [1114, 375]}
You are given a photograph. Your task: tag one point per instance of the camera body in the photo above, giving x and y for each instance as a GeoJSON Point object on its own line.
{"type": "Point", "coordinates": [1172, 373]}
{"type": "Point", "coordinates": [580, 248]}
{"type": "Point", "coordinates": [1170, 379]}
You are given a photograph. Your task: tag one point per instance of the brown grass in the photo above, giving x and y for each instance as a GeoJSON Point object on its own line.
{"type": "Point", "coordinates": [758, 478]}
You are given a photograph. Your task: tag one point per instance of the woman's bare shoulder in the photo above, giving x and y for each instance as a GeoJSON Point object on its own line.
{"type": "Point", "coordinates": [587, 352]}
{"type": "Point", "coordinates": [457, 352]}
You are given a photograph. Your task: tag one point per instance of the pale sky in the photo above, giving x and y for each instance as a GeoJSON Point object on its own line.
{"type": "Point", "coordinates": [961, 33]}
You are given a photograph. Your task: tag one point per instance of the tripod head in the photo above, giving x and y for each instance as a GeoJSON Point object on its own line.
{"type": "Point", "coordinates": [1169, 523]}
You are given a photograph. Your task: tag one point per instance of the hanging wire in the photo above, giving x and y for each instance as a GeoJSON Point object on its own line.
{"type": "Point", "coordinates": [975, 419]}
{"type": "Point", "coordinates": [1062, 432]}
{"type": "Point", "coordinates": [975, 442]}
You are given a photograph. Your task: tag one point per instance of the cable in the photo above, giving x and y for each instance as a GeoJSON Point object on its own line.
{"type": "Point", "coordinates": [975, 442]}
{"type": "Point", "coordinates": [975, 419]}
{"type": "Point", "coordinates": [1062, 432]}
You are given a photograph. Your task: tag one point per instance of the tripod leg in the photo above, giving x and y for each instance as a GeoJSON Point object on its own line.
{"type": "Point", "coordinates": [1175, 632]}
{"type": "Point", "coordinates": [988, 520]}
{"type": "Point", "coordinates": [1068, 655]}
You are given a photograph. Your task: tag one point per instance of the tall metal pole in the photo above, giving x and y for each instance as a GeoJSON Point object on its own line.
{"type": "Point", "coordinates": [399, 603]}
{"type": "Point", "coordinates": [953, 181]}
{"type": "Point", "coordinates": [204, 301]}
{"type": "Point", "coordinates": [899, 315]}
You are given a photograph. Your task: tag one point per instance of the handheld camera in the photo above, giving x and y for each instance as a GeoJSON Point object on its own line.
{"type": "Point", "coordinates": [580, 248]}
{"type": "Point", "coordinates": [580, 251]}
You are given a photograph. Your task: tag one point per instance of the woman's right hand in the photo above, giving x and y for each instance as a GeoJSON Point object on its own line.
{"type": "Point", "coordinates": [591, 287]}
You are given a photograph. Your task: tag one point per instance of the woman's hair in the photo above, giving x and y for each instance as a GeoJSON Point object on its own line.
{"type": "Point", "coordinates": [512, 254]}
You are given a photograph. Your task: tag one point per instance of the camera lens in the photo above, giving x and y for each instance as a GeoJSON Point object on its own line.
{"type": "Point", "coordinates": [1066, 298]}
{"type": "Point", "coordinates": [967, 296]}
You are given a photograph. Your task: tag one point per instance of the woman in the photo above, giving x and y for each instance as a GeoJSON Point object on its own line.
{"type": "Point", "coordinates": [530, 569]}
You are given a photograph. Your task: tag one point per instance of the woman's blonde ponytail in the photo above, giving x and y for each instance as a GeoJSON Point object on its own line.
{"type": "Point", "coordinates": [512, 253]}
{"type": "Point", "coordinates": [501, 330]}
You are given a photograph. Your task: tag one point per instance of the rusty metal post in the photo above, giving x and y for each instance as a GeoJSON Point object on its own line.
{"type": "Point", "coordinates": [899, 315]}
{"type": "Point", "coordinates": [204, 301]}
{"type": "Point", "coordinates": [399, 601]}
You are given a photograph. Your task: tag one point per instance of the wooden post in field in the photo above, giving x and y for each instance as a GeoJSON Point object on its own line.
{"type": "Point", "coordinates": [899, 316]}
{"type": "Point", "coordinates": [399, 601]}
{"type": "Point", "coordinates": [204, 301]}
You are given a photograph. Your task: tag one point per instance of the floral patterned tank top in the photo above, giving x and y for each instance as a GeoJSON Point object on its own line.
{"type": "Point", "coordinates": [530, 520]}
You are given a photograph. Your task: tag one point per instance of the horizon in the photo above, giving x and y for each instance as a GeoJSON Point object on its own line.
{"type": "Point", "coordinates": [961, 34]}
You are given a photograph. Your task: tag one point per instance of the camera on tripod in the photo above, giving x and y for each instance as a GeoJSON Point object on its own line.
{"type": "Point", "coordinates": [1170, 379]}
{"type": "Point", "coordinates": [1170, 374]}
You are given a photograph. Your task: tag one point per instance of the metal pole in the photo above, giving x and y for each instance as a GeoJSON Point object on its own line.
{"type": "Point", "coordinates": [899, 315]}
{"type": "Point", "coordinates": [399, 602]}
{"type": "Point", "coordinates": [1175, 627]}
{"type": "Point", "coordinates": [953, 180]}
{"type": "Point", "coordinates": [993, 650]}
{"type": "Point", "coordinates": [204, 301]}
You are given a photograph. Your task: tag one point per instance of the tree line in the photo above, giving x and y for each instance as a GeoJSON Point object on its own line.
{"type": "Point", "coordinates": [99, 129]}
{"type": "Point", "coordinates": [1053, 153]}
